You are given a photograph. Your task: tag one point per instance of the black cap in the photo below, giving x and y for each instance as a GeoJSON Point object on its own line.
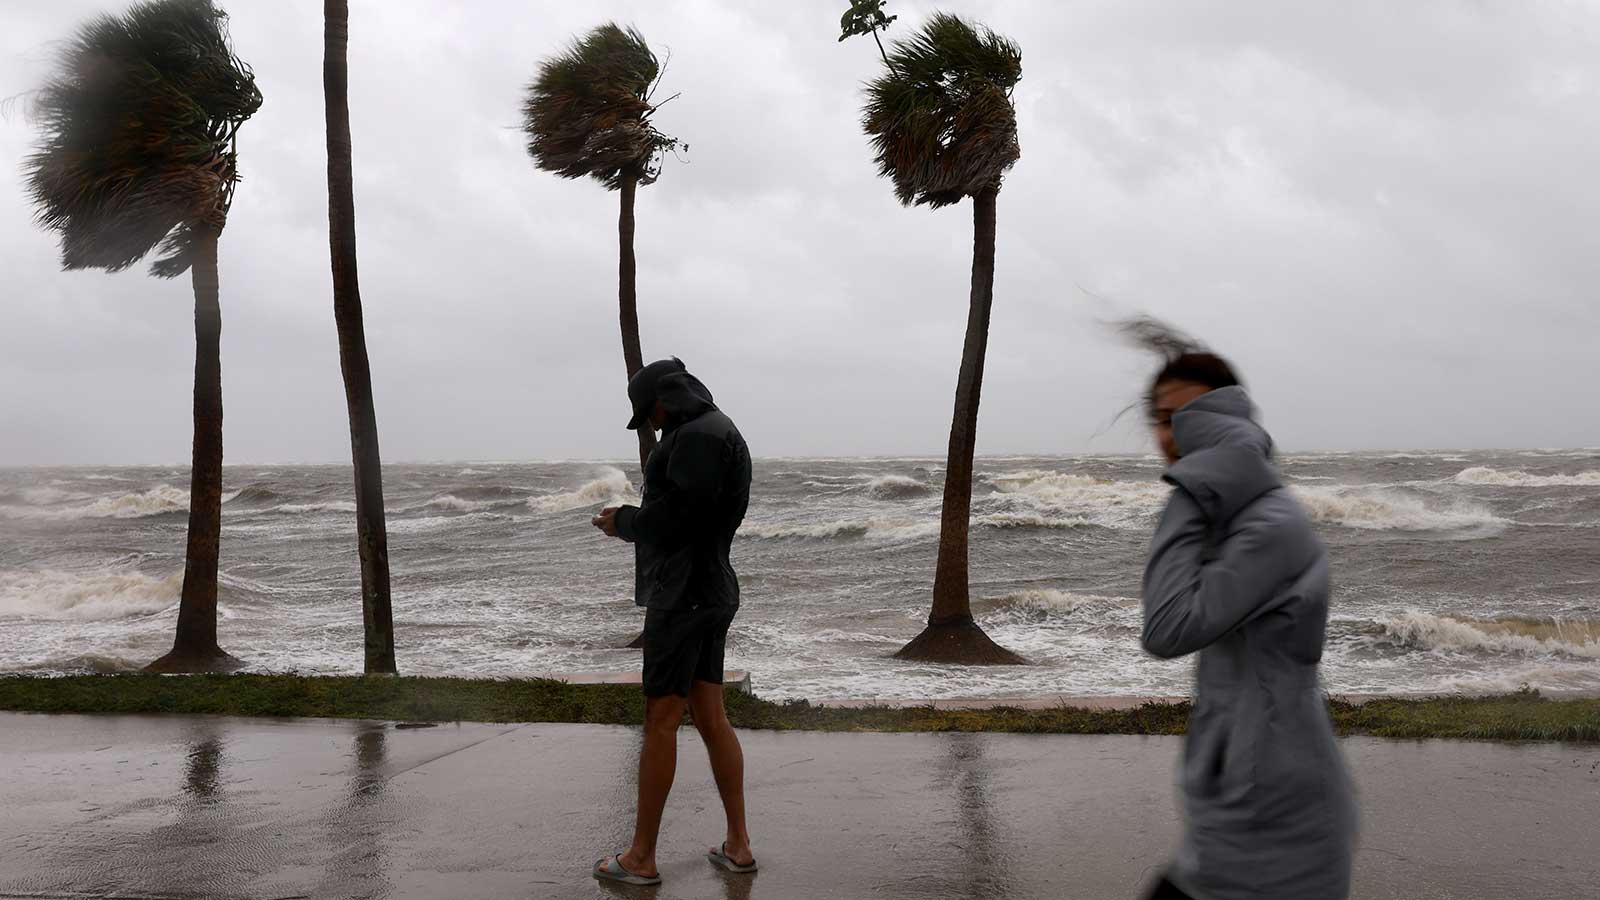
{"type": "Point", "coordinates": [642, 389]}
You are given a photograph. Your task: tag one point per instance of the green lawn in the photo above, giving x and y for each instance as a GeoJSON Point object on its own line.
{"type": "Point", "coordinates": [1522, 716]}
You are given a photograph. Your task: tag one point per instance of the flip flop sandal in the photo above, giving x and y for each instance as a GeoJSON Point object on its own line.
{"type": "Point", "coordinates": [610, 869]}
{"type": "Point", "coordinates": [719, 856]}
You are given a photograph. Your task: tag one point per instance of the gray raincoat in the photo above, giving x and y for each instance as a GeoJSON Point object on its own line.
{"type": "Point", "coordinates": [1237, 573]}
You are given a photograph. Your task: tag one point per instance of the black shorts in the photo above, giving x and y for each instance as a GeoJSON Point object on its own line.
{"type": "Point", "coordinates": [682, 646]}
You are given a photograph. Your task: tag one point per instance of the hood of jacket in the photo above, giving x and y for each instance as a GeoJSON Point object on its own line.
{"type": "Point", "coordinates": [684, 397]}
{"type": "Point", "coordinates": [1225, 461]}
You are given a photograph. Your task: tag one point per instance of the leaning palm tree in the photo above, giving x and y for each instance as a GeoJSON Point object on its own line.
{"type": "Point", "coordinates": [372, 537]}
{"type": "Point", "coordinates": [137, 152]}
{"type": "Point", "coordinates": [943, 128]}
{"type": "Point", "coordinates": [587, 113]}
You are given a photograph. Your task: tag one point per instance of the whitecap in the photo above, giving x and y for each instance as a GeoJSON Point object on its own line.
{"type": "Point", "coordinates": [339, 506]}
{"type": "Point", "coordinates": [896, 487]}
{"type": "Point", "coordinates": [1487, 475]}
{"type": "Point", "coordinates": [156, 501]}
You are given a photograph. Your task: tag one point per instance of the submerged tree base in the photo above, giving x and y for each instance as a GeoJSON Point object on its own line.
{"type": "Point", "coordinates": [961, 641]}
{"type": "Point", "coordinates": [213, 661]}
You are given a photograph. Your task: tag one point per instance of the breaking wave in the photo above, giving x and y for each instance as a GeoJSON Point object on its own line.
{"type": "Point", "coordinates": [453, 503]}
{"type": "Point", "coordinates": [896, 487]}
{"type": "Point", "coordinates": [1060, 500]}
{"type": "Point", "coordinates": [157, 501]}
{"type": "Point", "coordinates": [611, 488]}
{"type": "Point", "coordinates": [1486, 475]}
{"type": "Point", "coordinates": [255, 493]}
{"type": "Point", "coordinates": [65, 596]}
{"type": "Point", "coordinates": [1376, 509]}
{"type": "Point", "coordinates": [1533, 637]}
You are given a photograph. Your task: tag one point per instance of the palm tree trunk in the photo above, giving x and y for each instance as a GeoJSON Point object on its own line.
{"type": "Point", "coordinates": [952, 635]}
{"type": "Point", "coordinates": [628, 305]}
{"type": "Point", "coordinates": [195, 648]}
{"type": "Point", "coordinates": [628, 301]}
{"type": "Point", "coordinates": [372, 540]}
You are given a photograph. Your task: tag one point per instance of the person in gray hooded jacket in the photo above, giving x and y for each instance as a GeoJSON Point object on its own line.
{"type": "Point", "coordinates": [1237, 575]}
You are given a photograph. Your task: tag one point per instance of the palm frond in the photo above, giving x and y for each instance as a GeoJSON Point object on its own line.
{"type": "Point", "coordinates": [587, 112]}
{"type": "Point", "coordinates": [940, 116]}
{"type": "Point", "coordinates": [137, 134]}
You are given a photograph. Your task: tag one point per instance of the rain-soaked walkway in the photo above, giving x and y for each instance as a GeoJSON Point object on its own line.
{"type": "Point", "coordinates": [156, 807]}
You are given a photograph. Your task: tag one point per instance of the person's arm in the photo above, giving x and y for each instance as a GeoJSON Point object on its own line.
{"type": "Point", "coordinates": [694, 482]}
{"type": "Point", "coordinates": [1190, 602]}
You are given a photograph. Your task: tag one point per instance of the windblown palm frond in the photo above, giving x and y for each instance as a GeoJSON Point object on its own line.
{"type": "Point", "coordinates": [588, 111]}
{"type": "Point", "coordinates": [137, 146]}
{"type": "Point", "coordinates": [940, 116]}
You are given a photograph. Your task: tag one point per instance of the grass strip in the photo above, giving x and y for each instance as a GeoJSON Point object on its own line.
{"type": "Point", "coordinates": [1523, 716]}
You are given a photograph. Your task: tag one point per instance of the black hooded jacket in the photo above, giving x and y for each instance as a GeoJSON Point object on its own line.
{"type": "Point", "coordinates": [696, 491]}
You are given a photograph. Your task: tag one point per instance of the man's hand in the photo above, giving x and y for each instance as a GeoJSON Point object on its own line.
{"type": "Point", "coordinates": [606, 521]}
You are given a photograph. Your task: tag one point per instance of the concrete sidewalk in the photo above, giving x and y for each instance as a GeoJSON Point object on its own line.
{"type": "Point", "coordinates": [157, 807]}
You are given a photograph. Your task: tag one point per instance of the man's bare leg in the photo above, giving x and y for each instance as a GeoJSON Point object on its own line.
{"type": "Point", "coordinates": [727, 763]}
{"type": "Point", "coordinates": [658, 762]}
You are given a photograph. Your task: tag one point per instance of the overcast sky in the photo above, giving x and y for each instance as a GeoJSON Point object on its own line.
{"type": "Point", "coordinates": [1384, 213]}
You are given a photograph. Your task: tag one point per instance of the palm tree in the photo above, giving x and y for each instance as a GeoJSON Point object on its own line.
{"type": "Point", "coordinates": [943, 128]}
{"type": "Point", "coordinates": [587, 113]}
{"type": "Point", "coordinates": [138, 151]}
{"type": "Point", "coordinates": [372, 539]}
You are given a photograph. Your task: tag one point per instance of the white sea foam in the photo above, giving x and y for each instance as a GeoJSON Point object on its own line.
{"type": "Point", "coordinates": [1534, 637]}
{"type": "Point", "coordinates": [67, 596]}
{"type": "Point", "coordinates": [1543, 677]}
{"type": "Point", "coordinates": [887, 529]}
{"type": "Point", "coordinates": [1380, 509]}
{"type": "Point", "coordinates": [433, 523]}
{"type": "Point", "coordinates": [1031, 520]}
{"type": "Point", "coordinates": [1487, 475]}
{"type": "Point", "coordinates": [90, 663]}
{"type": "Point", "coordinates": [1052, 600]}
{"type": "Point", "coordinates": [611, 488]}
{"type": "Point", "coordinates": [338, 506]}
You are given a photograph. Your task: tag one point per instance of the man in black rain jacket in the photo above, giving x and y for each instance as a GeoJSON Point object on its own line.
{"type": "Point", "coordinates": [696, 491]}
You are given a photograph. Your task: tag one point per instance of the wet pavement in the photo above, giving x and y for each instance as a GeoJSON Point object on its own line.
{"type": "Point", "coordinates": [175, 807]}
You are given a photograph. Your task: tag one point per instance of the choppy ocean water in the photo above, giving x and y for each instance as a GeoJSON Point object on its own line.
{"type": "Point", "coordinates": [1474, 571]}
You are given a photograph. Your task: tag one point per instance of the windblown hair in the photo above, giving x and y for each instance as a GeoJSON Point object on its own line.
{"type": "Point", "coordinates": [1182, 357]}
{"type": "Point", "coordinates": [137, 136]}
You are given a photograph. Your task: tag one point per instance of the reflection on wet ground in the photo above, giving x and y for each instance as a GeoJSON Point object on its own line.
{"type": "Point", "coordinates": [356, 866]}
{"type": "Point", "coordinates": [985, 860]}
{"type": "Point", "coordinates": [169, 808]}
